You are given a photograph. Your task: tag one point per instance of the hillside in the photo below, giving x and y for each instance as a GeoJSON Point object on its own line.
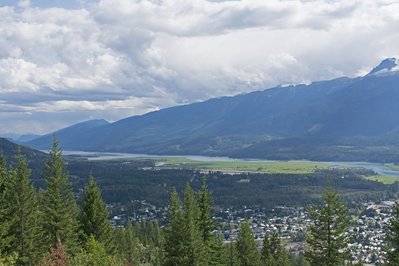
{"type": "Point", "coordinates": [35, 158]}
{"type": "Point", "coordinates": [294, 122]}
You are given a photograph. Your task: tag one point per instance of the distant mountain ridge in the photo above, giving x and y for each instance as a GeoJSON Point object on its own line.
{"type": "Point", "coordinates": [327, 113]}
{"type": "Point", "coordinates": [35, 158]}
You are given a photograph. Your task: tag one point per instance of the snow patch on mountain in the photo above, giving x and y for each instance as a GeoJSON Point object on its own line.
{"type": "Point", "coordinates": [388, 66]}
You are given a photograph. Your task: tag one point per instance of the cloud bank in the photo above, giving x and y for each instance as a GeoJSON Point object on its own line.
{"type": "Point", "coordinates": [115, 58]}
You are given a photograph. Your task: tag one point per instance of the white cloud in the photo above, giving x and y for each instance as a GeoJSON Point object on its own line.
{"type": "Point", "coordinates": [116, 58]}
{"type": "Point", "coordinates": [24, 3]}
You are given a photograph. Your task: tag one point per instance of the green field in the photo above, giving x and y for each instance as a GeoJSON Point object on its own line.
{"type": "Point", "coordinates": [285, 167]}
{"type": "Point", "coordinates": [392, 166]}
{"type": "Point", "coordinates": [383, 179]}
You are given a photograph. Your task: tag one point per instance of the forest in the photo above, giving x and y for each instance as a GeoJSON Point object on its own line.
{"type": "Point", "coordinates": [51, 224]}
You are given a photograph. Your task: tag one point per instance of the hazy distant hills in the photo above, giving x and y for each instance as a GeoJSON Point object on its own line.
{"type": "Point", "coordinates": [339, 119]}
{"type": "Point", "coordinates": [69, 136]}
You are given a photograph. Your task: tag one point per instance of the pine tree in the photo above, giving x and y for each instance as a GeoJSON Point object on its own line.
{"type": "Point", "coordinates": [194, 245]}
{"type": "Point", "coordinates": [206, 222]}
{"type": "Point", "coordinates": [213, 244]}
{"type": "Point", "coordinates": [94, 254]}
{"type": "Point", "coordinates": [246, 246]}
{"type": "Point", "coordinates": [5, 221]}
{"type": "Point", "coordinates": [60, 211]}
{"type": "Point", "coordinates": [267, 257]}
{"type": "Point", "coordinates": [131, 244]}
{"type": "Point", "coordinates": [273, 253]}
{"type": "Point", "coordinates": [232, 255]}
{"type": "Point", "coordinates": [326, 241]}
{"type": "Point", "coordinates": [392, 236]}
{"type": "Point", "coordinates": [217, 251]}
{"type": "Point", "coordinates": [93, 215]}
{"type": "Point", "coordinates": [174, 233]}
{"type": "Point", "coordinates": [23, 212]}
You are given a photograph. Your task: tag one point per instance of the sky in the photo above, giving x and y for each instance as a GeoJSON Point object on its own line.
{"type": "Point", "coordinates": [63, 62]}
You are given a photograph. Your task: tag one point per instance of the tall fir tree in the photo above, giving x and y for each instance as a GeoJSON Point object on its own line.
{"type": "Point", "coordinates": [206, 222]}
{"type": "Point", "coordinates": [131, 243]}
{"type": "Point", "coordinates": [93, 216]}
{"type": "Point", "coordinates": [326, 241]}
{"type": "Point", "coordinates": [217, 251]}
{"type": "Point", "coordinates": [59, 208]}
{"type": "Point", "coordinates": [174, 233]}
{"type": "Point", "coordinates": [194, 245]}
{"type": "Point", "coordinates": [392, 236]}
{"type": "Point", "coordinates": [232, 254]}
{"type": "Point", "coordinates": [23, 213]}
{"type": "Point", "coordinates": [5, 212]}
{"type": "Point", "coordinates": [273, 253]}
{"type": "Point", "coordinates": [248, 255]}
{"type": "Point", "coordinates": [213, 244]}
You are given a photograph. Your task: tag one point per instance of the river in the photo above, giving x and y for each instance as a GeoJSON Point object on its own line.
{"type": "Point", "coordinates": [379, 168]}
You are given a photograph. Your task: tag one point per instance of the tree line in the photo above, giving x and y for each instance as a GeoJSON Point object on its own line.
{"type": "Point", "coordinates": [50, 227]}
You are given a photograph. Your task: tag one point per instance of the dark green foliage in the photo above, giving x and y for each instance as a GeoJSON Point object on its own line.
{"type": "Point", "coordinates": [326, 242]}
{"type": "Point", "coordinates": [214, 247]}
{"type": "Point", "coordinates": [60, 211]}
{"type": "Point", "coordinates": [232, 254]}
{"type": "Point", "coordinates": [392, 247]}
{"type": "Point", "coordinates": [22, 213]}
{"type": "Point", "coordinates": [35, 159]}
{"type": "Point", "coordinates": [94, 254]}
{"type": "Point", "coordinates": [183, 240]}
{"type": "Point", "coordinates": [246, 246]}
{"type": "Point", "coordinates": [174, 233]}
{"type": "Point", "coordinates": [206, 222]}
{"type": "Point", "coordinates": [150, 243]}
{"type": "Point", "coordinates": [273, 253]}
{"type": "Point", "coordinates": [188, 235]}
{"type": "Point", "coordinates": [216, 251]}
{"type": "Point", "coordinates": [194, 245]}
{"type": "Point", "coordinates": [5, 221]}
{"type": "Point", "coordinates": [130, 243]}
{"type": "Point", "coordinates": [93, 215]}
{"type": "Point", "coordinates": [122, 182]}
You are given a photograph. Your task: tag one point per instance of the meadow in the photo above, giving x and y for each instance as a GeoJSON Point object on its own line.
{"type": "Point", "coordinates": [269, 167]}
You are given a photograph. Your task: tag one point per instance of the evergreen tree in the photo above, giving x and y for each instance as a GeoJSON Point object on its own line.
{"type": "Point", "coordinates": [60, 211]}
{"type": "Point", "coordinates": [22, 206]}
{"type": "Point", "coordinates": [174, 233]}
{"type": "Point", "coordinates": [149, 248]}
{"type": "Point", "coordinates": [5, 221]}
{"type": "Point", "coordinates": [193, 242]}
{"type": "Point", "coordinates": [326, 242]}
{"type": "Point", "coordinates": [217, 251]}
{"type": "Point", "coordinates": [118, 241]}
{"type": "Point", "coordinates": [232, 255]}
{"type": "Point", "coordinates": [206, 222]}
{"type": "Point", "coordinates": [246, 246]}
{"type": "Point", "coordinates": [131, 244]}
{"type": "Point", "coordinates": [273, 253]}
{"type": "Point", "coordinates": [95, 254]}
{"type": "Point", "coordinates": [93, 215]}
{"type": "Point", "coordinates": [392, 236]}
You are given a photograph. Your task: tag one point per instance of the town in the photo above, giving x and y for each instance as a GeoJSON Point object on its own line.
{"type": "Point", "coordinates": [366, 233]}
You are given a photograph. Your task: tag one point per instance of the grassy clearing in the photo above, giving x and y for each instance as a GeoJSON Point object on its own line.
{"type": "Point", "coordinates": [383, 179]}
{"type": "Point", "coordinates": [286, 167]}
{"type": "Point", "coordinates": [392, 166]}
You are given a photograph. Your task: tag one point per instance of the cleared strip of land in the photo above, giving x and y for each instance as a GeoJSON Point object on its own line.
{"type": "Point", "coordinates": [284, 167]}
{"type": "Point", "coordinates": [383, 179]}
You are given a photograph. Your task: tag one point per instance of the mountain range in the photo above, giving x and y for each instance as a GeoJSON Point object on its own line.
{"type": "Point", "coordinates": [339, 119]}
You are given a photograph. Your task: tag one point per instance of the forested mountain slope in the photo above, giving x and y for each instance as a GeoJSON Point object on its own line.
{"type": "Point", "coordinates": [358, 112]}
